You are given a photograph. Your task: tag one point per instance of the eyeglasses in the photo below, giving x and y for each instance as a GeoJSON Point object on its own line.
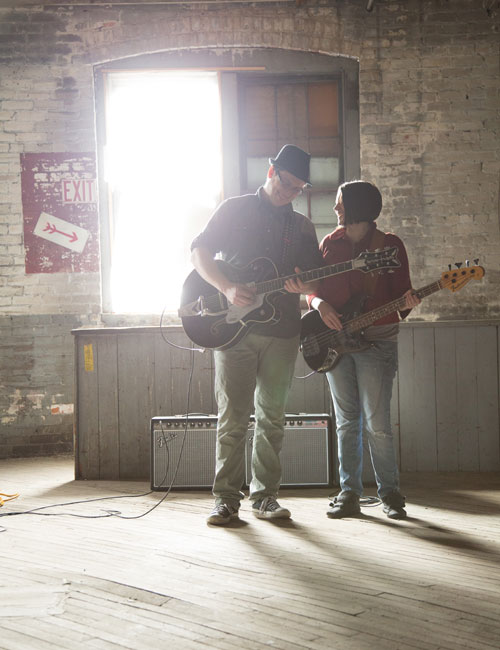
{"type": "Point", "coordinates": [290, 187]}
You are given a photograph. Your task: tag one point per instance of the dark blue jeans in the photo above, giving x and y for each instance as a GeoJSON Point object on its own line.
{"type": "Point", "coordinates": [361, 388]}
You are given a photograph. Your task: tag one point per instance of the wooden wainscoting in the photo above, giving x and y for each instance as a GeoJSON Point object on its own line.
{"type": "Point", "coordinates": [445, 406]}
{"type": "Point", "coordinates": [448, 397]}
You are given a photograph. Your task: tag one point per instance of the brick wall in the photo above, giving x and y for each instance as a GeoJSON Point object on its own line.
{"type": "Point", "coordinates": [36, 379]}
{"type": "Point", "coordinates": [430, 138]}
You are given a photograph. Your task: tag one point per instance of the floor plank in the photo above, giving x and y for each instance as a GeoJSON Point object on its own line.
{"type": "Point", "coordinates": [160, 577]}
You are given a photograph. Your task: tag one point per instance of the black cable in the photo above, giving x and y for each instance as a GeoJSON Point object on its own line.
{"type": "Point", "coordinates": [114, 513]}
{"type": "Point", "coordinates": [369, 501]}
{"type": "Point", "coordinates": [34, 511]}
{"type": "Point", "coordinates": [174, 345]}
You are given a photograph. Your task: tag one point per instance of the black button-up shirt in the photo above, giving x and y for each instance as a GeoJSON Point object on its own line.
{"type": "Point", "coordinates": [247, 227]}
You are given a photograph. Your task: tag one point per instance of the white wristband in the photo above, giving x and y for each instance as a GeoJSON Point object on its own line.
{"type": "Point", "coordinates": [316, 302]}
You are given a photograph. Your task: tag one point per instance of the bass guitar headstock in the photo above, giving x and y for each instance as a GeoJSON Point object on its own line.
{"type": "Point", "coordinates": [385, 258]}
{"type": "Point", "coordinates": [455, 279]}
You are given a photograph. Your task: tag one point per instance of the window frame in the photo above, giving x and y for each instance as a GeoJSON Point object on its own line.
{"type": "Point", "coordinates": [233, 65]}
{"type": "Point", "coordinates": [311, 193]}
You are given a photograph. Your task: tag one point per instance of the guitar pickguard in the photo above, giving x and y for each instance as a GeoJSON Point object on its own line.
{"type": "Point", "coordinates": [236, 314]}
{"type": "Point", "coordinates": [211, 322]}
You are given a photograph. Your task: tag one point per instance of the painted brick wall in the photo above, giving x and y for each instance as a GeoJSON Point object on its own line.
{"type": "Point", "coordinates": [430, 138]}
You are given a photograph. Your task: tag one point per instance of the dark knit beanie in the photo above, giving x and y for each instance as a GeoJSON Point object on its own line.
{"type": "Point", "coordinates": [362, 201]}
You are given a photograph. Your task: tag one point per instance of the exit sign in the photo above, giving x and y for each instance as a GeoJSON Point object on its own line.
{"type": "Point", "coordinates": [79, 190]}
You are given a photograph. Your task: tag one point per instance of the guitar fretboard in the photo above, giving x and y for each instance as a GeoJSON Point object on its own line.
{"type": "Point", "coordinates": [366, 262]}
{"type": "Point", "coordinates": [268, 286]}
{"type": "Point", "coordinates": [363, 320]}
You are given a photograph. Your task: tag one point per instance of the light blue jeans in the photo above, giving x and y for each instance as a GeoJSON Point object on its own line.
{"type": "Point", "coordinates": [361, 388]}
{"type": "Point", "coordinates": [258, 372]}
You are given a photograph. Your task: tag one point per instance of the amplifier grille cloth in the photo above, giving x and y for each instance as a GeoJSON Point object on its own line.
{"type": "Point", "coordinates": [197, 463]}
{"type": "Point", "coordinates": [305, 455]}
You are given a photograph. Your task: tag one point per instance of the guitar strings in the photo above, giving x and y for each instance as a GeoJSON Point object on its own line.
{"type": "Point", "coordinates": [351, 326]}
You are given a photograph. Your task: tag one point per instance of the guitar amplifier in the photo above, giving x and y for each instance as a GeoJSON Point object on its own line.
{"type": "Point", "coordinates": [183, 452]}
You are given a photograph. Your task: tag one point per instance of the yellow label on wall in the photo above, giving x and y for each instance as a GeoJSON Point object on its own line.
{"type": "Point", "coordinates": [88, 354]}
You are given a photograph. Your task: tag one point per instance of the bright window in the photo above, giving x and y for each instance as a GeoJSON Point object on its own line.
{"type": "Point", "coordinates": [163, 171]}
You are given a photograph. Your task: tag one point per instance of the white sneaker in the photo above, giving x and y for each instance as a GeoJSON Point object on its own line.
{"type": "Point", "coordinates": [222, 514]}
{"type": "Point", "coordinates": [269, 508]}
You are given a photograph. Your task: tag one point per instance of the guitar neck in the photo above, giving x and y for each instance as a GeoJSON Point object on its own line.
{"type": "Point", "coordinates": [307, 276]}
{"type": "Point", "coordinates": [364, 320]}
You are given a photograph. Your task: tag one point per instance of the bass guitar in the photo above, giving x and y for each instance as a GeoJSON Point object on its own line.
{"type": "Point", "coordinates": [211, 321]}
{"type": "Point", "coordinates": [323, 347]}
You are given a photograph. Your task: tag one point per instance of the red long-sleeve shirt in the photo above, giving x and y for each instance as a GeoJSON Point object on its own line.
{"type": "Point", "coordinates": [338, 289]}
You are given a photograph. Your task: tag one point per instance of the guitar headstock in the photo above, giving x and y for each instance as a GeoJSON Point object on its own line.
{"type": "Point", "coordinates": [455, 279]}
{"type": "Point", "coordinates": [386, 258]}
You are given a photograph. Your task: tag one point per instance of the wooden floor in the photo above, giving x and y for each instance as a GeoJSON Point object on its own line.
{"type": "Point", "coordinates": [167, 580]}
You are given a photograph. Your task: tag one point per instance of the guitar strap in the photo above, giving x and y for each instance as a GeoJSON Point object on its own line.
{"type": "Point", "coordinates": [370, 279]}
{"type": "Point", "coordinates": [287, 243]}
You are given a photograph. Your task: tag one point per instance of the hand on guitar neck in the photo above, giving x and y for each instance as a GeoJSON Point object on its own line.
{"type": "Point", "coordinates": [411, 299]}
{"type": "Point", "coordinates": [296, 284]}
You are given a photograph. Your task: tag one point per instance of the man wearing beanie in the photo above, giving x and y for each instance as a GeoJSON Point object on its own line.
{"type": "Point", "coordinates": [257, 371]}
{"type": "Point", "coordinates": [361, 381]}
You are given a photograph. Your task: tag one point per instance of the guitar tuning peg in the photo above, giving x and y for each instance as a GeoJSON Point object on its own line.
{"type": "Point", "coordinates": [458, 264]}
{"type": "Point", "coordinates": [476, 261]}
{"type": "Point", "coordinates": [467, 263]}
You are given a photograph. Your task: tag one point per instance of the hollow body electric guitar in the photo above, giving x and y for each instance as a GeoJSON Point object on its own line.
{"type": "Point", "coordinates": [323, 347]}
{"type": "Point", "coordinates": [211, 321]}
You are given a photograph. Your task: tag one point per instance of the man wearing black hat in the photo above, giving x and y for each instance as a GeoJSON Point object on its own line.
{"type": "Point", "coordinates": [256, 373]}
{"type": "Point", "coordinates": [361, 382]}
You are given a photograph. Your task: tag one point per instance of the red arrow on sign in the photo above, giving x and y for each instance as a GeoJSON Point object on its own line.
{"type": "Point", "coordinates": [52, 229]}
{"type": "Point", "coordinates": [61, 232]}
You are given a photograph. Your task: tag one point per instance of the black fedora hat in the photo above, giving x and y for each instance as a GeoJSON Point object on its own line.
{"type": "Point", "coordinates": [294, 160]}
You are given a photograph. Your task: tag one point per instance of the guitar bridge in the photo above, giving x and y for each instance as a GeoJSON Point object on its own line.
{"type": "Point", "coordinates": [329, 360]}
{"type": "Point", "coordinates": [203, 310]}
{"type": "Point", "coordinates": [211, 307]}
